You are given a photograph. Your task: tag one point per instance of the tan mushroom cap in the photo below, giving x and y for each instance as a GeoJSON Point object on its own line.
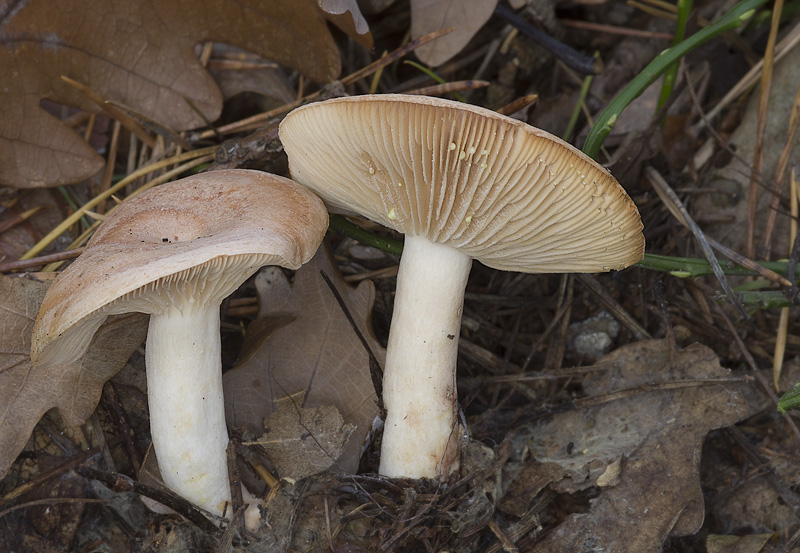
{"type": "Point", "coordinates": [507, 194]}
{"type": "Point", "coordinates": [197, 238]}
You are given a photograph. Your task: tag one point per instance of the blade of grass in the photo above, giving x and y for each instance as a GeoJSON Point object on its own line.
{"type": "Point", "coordinates": [663, 5]}
{"type": "Point", "coordinates": [73, 204]}
{"type": "Point", "coordinates": [196, 157]}
{"type": "Point", "coordinates": [783, 323]}
{"type": "Point", "coordinates": [670, 75]}
{"type": "Point", "coordinates": [789, 400]}
{"type": "Point", "coordinates": [676, 207]}
{"type": "Point", "coordinates": [19, 219]}
{"type": "Point", "coordinates": [344, 226]}
{"type": "Point", "coordinates": [78, 244]}
{"type": "Point", "coordinates": [780, 173]}
{"type": "Point", "coordinates": [376, 78]}
{"type": "Point", "coordinates": [785, 46]}
{"type": "Point", "coordinates": [762, 299]}
{"type": "Point", "coordinates": [682, 267]}
{"type": "Point", "coordinates": [761, 127]}
{"type": "Point", "coordinates": [576, 111]}
{"type": "Point", "coordinates": [605, 122]}
{"type": "Point", "coordinates": [111, 111]}
{"type": "Point", "coordinates": [691, 267]}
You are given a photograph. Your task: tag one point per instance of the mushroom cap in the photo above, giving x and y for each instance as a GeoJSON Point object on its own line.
{"type": "Point", "coordinates": [507, 194]}
{"type": "Point", "coordinates": [192, 240]}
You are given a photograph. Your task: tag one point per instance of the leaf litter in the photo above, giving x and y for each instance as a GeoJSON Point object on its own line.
{"type": "Point", "coordinates": [301, 441]}
{"type": "Point", "coordinates": [28, 392]}
{"type": "Point", "coordinates": [466, 17]}
{"type": "Point", "coordinates": [143, 57]}
{"type": "Point", "coordinates": [314, 361]}
{"type": "Point", "coordinates": [642, 451]}
{"type": "Point", "coordinates": [554, 479]}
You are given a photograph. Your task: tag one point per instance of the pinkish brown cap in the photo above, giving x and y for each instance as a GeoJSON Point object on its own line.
{"type": "Point", "coordinates": [199, 237]}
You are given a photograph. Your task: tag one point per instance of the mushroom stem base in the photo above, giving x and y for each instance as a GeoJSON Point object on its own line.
{"type": "Point", "coordinates": [420, 436]}
{"type": "Point", "coordinates": [187, 412]}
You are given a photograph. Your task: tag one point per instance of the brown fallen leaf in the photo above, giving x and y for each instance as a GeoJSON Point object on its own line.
{"type": "Point", "coordinates": [267, 82]}
{"type": "Point", "coordinates": [51, 526]}
{"type": "Point", "coordinates": [731, 203]}
{"type": "Point", "coordinates": [753, 543]}
{"type": "Point", "coordinates": [529, 479]}
{"type": "Point", "coordinates": [17, 240]}
{"type": "Point", "coordinates": [316, 358]}
{"type": "Point", "coordinates": [466, 16]}
{"type": "Point", "coordinates": [642, 449]}
{"type": "Point", "coordinates": [301, 441]}
{"type": "Point", "coordinates": [236, 71]}
{"type": "Point", "coordinates": [139, 55]}
{"type": "Point", "coordinates": [27, 392]}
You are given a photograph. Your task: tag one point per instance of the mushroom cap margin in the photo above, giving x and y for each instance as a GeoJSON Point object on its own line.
{"type": "Point", "coordinates": [237, 220]}
{"type": "Point", "coordinates": [507, 194]}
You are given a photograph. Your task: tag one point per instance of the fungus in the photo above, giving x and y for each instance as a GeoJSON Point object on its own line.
{"type": "Point", "coordinates": [175, 252]}
{"type": "Point", "coordinates": [500, 208]}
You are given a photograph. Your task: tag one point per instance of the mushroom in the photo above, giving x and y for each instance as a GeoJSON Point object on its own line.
{"type": "Point", "coordinates": [175, 252]}
{"type": "Point", "coordinates": [462, 183]}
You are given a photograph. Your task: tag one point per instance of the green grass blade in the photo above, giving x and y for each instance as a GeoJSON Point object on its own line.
{"type": "Point", "coordinates": [605, 122]}
{"type": "Point", "coordinates": [671, 74]}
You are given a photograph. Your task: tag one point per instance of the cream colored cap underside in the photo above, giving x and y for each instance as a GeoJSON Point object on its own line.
{"type": "Point", "coordinates": [507, 194]}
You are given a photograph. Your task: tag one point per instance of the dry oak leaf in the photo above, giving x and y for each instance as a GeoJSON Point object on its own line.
{"type": "Point", "coordinates": [266, 79]}
{"type": "Point", "coordinates": [28, 392]}
{"type": "Point", "coordinates": [18, 239]}
{"type": "Point", "coordinates": [50, 524]}
{"type": "Point", "coordinates": [753, 543]}
{"type": "Point", "coordinates": [465, 16]}
{"type": "Point", "coordinates": [141, 55]}
{"type": "Point", "coordinates": [304, 441]}
{"type": "Point", "coordinates": [316, 359]}
{"type": "Point", "coordinates": [640, 444]}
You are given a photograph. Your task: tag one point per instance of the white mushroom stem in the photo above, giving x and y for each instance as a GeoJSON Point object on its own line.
{"type": "Point", "coordinates": [187, 409]}
{"type": "Point", "coordinates": [420, 437]}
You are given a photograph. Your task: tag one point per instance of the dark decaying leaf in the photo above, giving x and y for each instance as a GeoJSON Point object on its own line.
{"type": "Point", "coordinates": [53, 526]}
{"type": "Point", "coordinates": [20, 238]}
{"type": "Point", "coordinates": [753, 543]}
{"type": "Point", "coordinates": [304, 441]}
{"type": "Point", "coordinates": [27, 392]}
{"type": "Point", "coordinates": [641, 447]}
{"type": "Point", "coordinates": [255, 75]}
{"type": "Point", "coordinates": [317, 358]}
{"type": "Point", "coordinates": [140, 55]}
